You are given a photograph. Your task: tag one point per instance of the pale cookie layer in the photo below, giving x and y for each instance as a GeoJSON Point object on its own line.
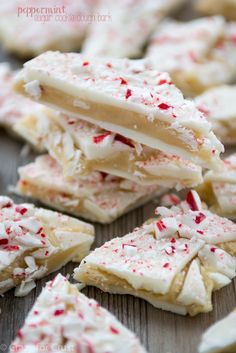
{"type": "Point", "coordinates": [219, 105]}
{"type": "Point", "coordinates": [125, 97]}
{"type": "Point", "coordinates": [98, 196]}
{"type": "Point", "coordinates": [227, 8]}
{"type": "Point", "coordinates": [80, 148]}
{"type": "Point", "coordinates": [220, 337]}
{"type": "Point", "coordinates": [60, 25]}
{"type": "Point", "coordinates": [35, 242]}
{"type": "Point", "coordinates": [63, 319]}
{"type": "Point", "coordinates": [174, 261]}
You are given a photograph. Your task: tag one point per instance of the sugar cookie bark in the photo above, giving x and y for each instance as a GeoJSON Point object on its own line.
{"type": "Point", "coordinates": [81, 148]}
{"type": "Point", "coordinates": [220, 337]}
{"type": "Point", "coordinates": [171, 48]}
{"type": "Point", "coordinates": [35, 242]}
{"type": "Point", "coordinates": [219, 189]}
{"type": "Point", "coordinates": [205, 61]}
{"type": "Point", "coordinates": [30, 29]}
{"type": "Point", "coordinates": [175, 261]}
{"type": "Point", "coordinates": [72, 322]}
{"type": "Point", "coordinates": [98, 196]}
{"type": "Point", "coordinates": [227, 8]}
{"type": "Point", "coordinates": [125, 97]}
{"type": "Point", "coordinates": [123, 35]}
{"type": "Point", "coordinates": [219, 105]}
{"type": "Point", "coordinates": [14, 107]}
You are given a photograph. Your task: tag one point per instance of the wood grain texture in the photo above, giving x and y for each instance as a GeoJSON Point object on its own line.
{"type": "Point", "coordinates": [160, 332]}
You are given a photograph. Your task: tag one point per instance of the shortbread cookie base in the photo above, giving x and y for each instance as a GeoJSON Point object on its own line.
{"type": "Point", "coordinates": [227, 8]}
{"type": "Point", "coordinates": [113, 284]}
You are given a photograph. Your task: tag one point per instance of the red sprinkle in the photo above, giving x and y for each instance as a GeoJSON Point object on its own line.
{"type": "Point", "coordinates": [164, 106]}
{"type": "Point", "coordinates": [71, 122]}
{"type": "Point", "coordinates": [199, 218]}
{"type": "Point", "coordinates": [204, 110]}
{"type": "Point", "coordinates": [100, 138]}
{"type": "Point", "coordinates": [213, 249]}
{"type": "Point", "coordinates": [7, 205]}
{"type": "Point", "coordinates": [85, 63]}
{"type": "Point", "coordinates": [59, 312]}
{"type": "Point", "coordinates": [173, 240]}
{"type": "Point", "coordinates": [166, 265]}
{"type": "Point", "coordinates": [161, 225]}
{"type": "Point", "coordinates": [21, 210]}
{"type": "Point", "coordinates": [20, 334]}
{"type": "Point", "coordinates": [114, 330]}
{"type": "Point", "coordinates": [11, 247]}
{"type": "Point", "coordinates": [200, 232]}
{"type": "Point", "coordinates": [124, 140]}
{"type": "Point", "coordinates": [123, 81]}
{"type": "Point", "coordinates": [192, 202]}
{"type": "Point", "coordinates": [3, 241]}
{"type": "Point", "coordinates": [162, 82]}
{"type": "Point", "coordinates": [40, 230]}
{"type": "Point", "coordinates": [109, 65]}
{"type": "Point", "coordinates": [128, 93]}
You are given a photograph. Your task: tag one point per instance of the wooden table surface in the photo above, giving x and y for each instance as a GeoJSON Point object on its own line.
{"type": "Point", "coordinates": [159, 331]}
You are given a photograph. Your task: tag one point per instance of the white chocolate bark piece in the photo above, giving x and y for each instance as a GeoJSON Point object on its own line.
{"type": "Point", "coordinates": [14, 107]}
{"type": "Point", "coordinates": [206, 61]}
{"type": "Point", "coordinates": [72, 322]}
{"type": "Point", "coordinates": [175, 261]}
{"type": "Point", "coordinates": [220, 337]}
{"type": "Point", "coordinates": [219, 105]}
{"type": "Point", "coordinates": [30, 29]}
{"type": "Point", "coordinates": [171, 48]}
{"type": "Point", "coordinates": [125, 97]}
{"type": "Point", "coordinates": [80, 148]}
{"type": "Point", "coordinates": [227, 8]}
{"type": "Point", "coordinates": [35, 242]}
{"type": "Point", "coordinates": [98, 196]}
{"type": "Point", "coordinates": [124, 35]}
{"type": "Point", "coordinates": [219, 189]}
